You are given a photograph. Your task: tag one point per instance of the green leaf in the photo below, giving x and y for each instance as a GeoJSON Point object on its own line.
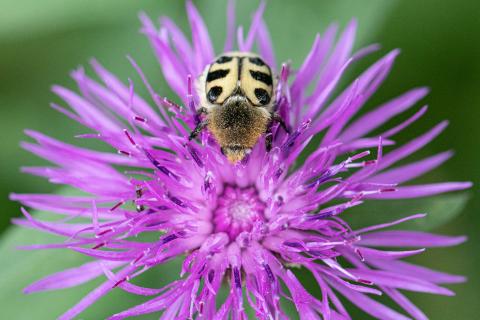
{"type": "Point", "coordinates": [440, 210]}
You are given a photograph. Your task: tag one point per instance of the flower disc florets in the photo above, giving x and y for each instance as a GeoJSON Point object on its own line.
{"type": "Point", "coordinates": [237, 210]}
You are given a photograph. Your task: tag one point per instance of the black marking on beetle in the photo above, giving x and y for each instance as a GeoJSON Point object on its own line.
{"type": "Point", "coordinates": [213, 93]}
{"type": "Point", "coordinates": [217, 74]}
{"type": "Point", "coordinates": [240, 63]}
{"type": "Point", "coordinates": [262, 96]}
{"type": "Point", "coordinates": [262, 77]}
{"type": "Point", "coordinates": [224, 59]}
{"type": "Point", "coordinates": [257, 61]}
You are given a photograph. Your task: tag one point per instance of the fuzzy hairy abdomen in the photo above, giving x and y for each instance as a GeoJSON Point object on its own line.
{"type": "Point", "coordinates": [237, 127]}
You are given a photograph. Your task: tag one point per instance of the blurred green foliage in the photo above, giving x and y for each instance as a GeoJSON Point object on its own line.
{"type": "Point", "coordinates": [40, 41]}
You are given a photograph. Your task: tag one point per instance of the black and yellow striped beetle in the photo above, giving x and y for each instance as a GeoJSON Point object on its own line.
{"type": "Point", "coordinates": [237, 93]}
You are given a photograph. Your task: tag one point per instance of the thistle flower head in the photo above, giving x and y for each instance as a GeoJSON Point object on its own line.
{"type": "Point", "coordinates": [247, 226]}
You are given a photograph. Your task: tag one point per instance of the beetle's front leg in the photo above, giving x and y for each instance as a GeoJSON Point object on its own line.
{"type": "Point", "coordinates": [277, 118]}
{"type": "Point", "coordinates": [198, 113]}
{"type": "Point", "coordinates": [200, 126]}
{"type": "Point", "coordinates": [201, 110]}
{"type": "Point", "coordinates": [268, 138]}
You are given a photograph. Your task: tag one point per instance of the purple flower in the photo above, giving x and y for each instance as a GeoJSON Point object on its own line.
{"type": "Point", "coordinates": [244, 226]}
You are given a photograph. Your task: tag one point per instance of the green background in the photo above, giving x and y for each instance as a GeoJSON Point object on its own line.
{"type": "Point", "coordinates": [41, 41]}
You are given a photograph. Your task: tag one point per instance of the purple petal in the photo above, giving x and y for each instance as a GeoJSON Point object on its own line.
{"type": "Point", "coordinates": [393, 131]}
{"type": "Point", "coordinates": [230, 37]}
{"type": "Point", "coordinates": [180, 42]}
{"type": "Point", "coordinates": [412, 146]}
{"type": "Point", "coordinates": [406, 304]}
{"type": "Point", "coordinates": [174, 70]}
{"type": "Point", "coordinates": [265, 46]}
{"type": "Point", "coordinates": [95, 295]}
{"type": "Point", "coordinates": [402, 267]}
{"type": "Point", "coordinates": [257, 19]}
{"type": "Point", "coordinates": [357, 94]}
{"type": "Point", "coordinates": [92, 116]}
{"type": "Point", "coordinates": [372, 254]}
{"type": "Point", "coordinates": [338, 57]}
{"type": "Point", "coordinates": [412, 170]}
{"type": "Point", "coordinates": [312, 64]}
{"type": "Point", "coordinates": [367, 304]}
{"type": "Point", "coordinates": [202, 44]}
{"type": "Point", "coordinates": [390, 224]}
{"type": "Point", "coordinates": [408, 239]}
{"type": "Point", "coordinates": [71, 277]}
{"type": "Point", "coordinates": [422, 190]}
{"type": "Point", "coordinates": [383, 113]}
{"type": "Point", "coordinates": [395, 280]}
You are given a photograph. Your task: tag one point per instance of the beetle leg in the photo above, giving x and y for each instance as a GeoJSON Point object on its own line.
{"type": "Point", "coordinates": [201, 110]}
{"type": "Point", "coordinates": [269, 137]}
{"type": "Point", "coordinates": [200, 126]}
{"type": "Point", "coordinates": [277, 118]}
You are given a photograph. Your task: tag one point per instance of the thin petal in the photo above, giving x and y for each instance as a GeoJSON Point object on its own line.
{"type": "Point", "coordinates": [71, 277]}
{"type": "Point", "coordinates": [230, 37]}
{"type": "Point", "coordinates": [383, 113]}
{"type": "Point", "coordinates": [367, 304]}
{"type": "Point", "coordinates": [257, 20]}
{"type": "Point", "coordinates": [406, 268]}
{"type": "Point", "coordinates": [372, 254]}
{"type": "Point", "coordinates": [423, 190]}
{"type": "Point", "coordinates": [265, 46]}
{"type": "Point", "coordinates": [95, 295]}
{"type": "Point", "coordinates": [412, 146]}
{"type": "Point", "coordinates": [405, 303]}
{"type": "Point", "coordinates": [412, 170]}
{"type": "Point", "coordinates": [408, 239]}
{"type": "Point", "coordinates": [395, 280]}
{"type": "Point", "coordinates": [202, 44]}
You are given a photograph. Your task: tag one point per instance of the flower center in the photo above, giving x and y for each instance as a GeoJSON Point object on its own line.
{"type": "Point", "coordinates": [237, 210]}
